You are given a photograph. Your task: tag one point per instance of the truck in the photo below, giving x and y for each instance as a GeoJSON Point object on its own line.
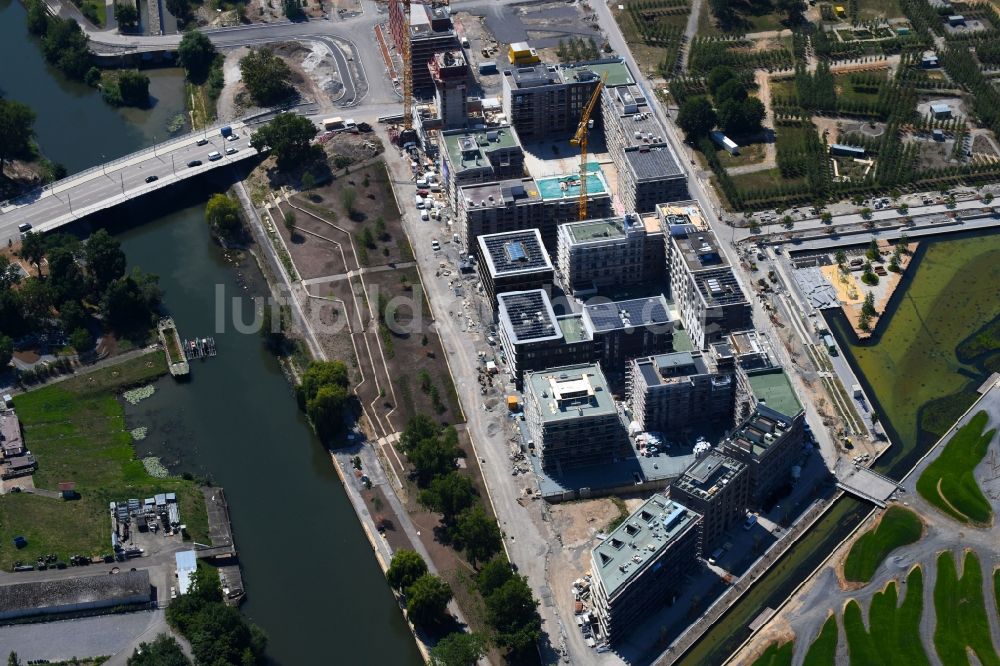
{"type": "Point", "coordinates": [226, 132]}
{"type": "Point", "coordinates": [333, 123]}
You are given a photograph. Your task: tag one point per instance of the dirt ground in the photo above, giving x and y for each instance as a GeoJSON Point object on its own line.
{"type": "Point", "coordinates": [314, 77]}
{"type": "Point", "coordinates": [268, 11]}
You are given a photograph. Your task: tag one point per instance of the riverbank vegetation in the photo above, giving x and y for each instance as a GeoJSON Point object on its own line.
{"type": "Point", "coordinates": [64, 44]}
{"type": "Point", "coordinates": [218, 633]}
{"type": "Point", "coordinates": [962, 621]}
{"type": "Point", "coordinates": [204, 78]}
{"type": "Point", "coordinates": [949, 483]}
{"type": "Point", "coordinates": [76, 429]}
{"type": "Point", "coordinates": [323, 395]}
{"type": "Point", "coordinates": [893, 634]}
{"type": "Point", "coordinates": [899, 526]}
{"type": "Point", "coordinates": [223, 215]}
{"type": "Point", "coordinates": [125, 87]}
{"type": "Point", "coordinates": [163, 651]}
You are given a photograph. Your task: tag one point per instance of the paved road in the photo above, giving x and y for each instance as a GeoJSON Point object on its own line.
{"type": "Point", "coordinates": [110, 184]}
{"type": "Point", "coordinates": [91, 636]}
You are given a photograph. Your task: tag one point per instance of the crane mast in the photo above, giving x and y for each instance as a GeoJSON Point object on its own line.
{"type": "Point", "coordinates": [407, 70]}
{"type": "Point", "coordinates": [580, 139]}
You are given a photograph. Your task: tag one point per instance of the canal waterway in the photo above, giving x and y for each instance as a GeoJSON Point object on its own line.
{"type": "Point", "coordinates": [311, 579]}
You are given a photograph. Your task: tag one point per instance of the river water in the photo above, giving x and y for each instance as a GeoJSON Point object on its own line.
{"type": "Point", "coordinates": [311, 579]}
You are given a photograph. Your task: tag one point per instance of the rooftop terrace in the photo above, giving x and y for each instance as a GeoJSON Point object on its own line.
{"type": "Point", "coordinates": [719, 286]}
{"type": "Point", "coordinates": [671, 368]}
{"type": "Point", "coordinates": [469, 149]}
{"type": "Point", "coordinates": [507, 192]}
{"type": "Point", "coordinates": [573, 329]}
{"type": "Point", "coordinates": [608, 228]}
{"type": "Point", "coordinates": [680, 213]}
{"type": "Point", "coordinates": [617, 71]}
{"type": "Point", "coordinates": [639, 540]}
{"type": "Point", "coordinates": [571, 392]}
{"type": "Point", "coordinates": [568, 187]}
{"type": "Point", "coordinates": [513, 252]}
{"type": "Point", "coordinates": [700, 251]}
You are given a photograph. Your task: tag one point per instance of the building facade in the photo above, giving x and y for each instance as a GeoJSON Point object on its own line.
{"type": "Point", "coordinates": [431, 32]}
{"type": "Point", "coordinates": [642, 565]}
{"type": "Point", "coordinates": [615, 251]}
{"type": "Point", "coordinates": [450, 74]}
{"type": "Point", "coordinates": [670, 392]}
{"type": "Point", "coordinates": [533, 338]}
{"type": "Point", "coordinates": [572, 418]}
{"type": "Point", "coordinates": [539, 100]}
{"type": "Point", "coordinates": [717, 487]}
{"type": "Point", "coordinates": [479, 156]}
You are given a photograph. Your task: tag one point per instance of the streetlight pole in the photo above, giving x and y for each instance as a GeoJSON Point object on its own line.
{"type": "Point", "coordinates": [154, 145]}
{"type": "Point", "coordinates": [172, 167]}
{"type": "Point", "coordinates": [104, 164]}
{"type": "Point", "coordinates": [121, 176]}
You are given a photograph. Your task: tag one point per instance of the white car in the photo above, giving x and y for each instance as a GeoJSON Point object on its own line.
{"type": "Point", "coordinates": [214, 156]}
{"type": "Point", "coordinates": [435, 245]}
{"type": "Point", "coordinates": [233, 137]}
{"type": "Point", "coordinates": [231, 150]}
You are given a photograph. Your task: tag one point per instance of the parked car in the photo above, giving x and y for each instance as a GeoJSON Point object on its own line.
{"type": "Point", "coordinates": [750, 521]}
{"type": "Point", "coordinates": [424, 216]}
{"type": "Point", "coordinates": [152, 179]}
{"type": "Point", "coordinates": [435, 245]}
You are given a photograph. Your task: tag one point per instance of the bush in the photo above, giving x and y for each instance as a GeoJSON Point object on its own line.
{"type": "Point", "coordinates": [266, 77]}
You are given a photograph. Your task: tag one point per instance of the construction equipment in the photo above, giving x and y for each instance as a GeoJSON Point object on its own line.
{"type": "Point", "coordinates": [407, 70]}
{"type": "Point", "coordinates": [580, 139]}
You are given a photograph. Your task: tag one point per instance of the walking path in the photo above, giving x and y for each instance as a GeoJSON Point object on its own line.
{"type": "Point", "coordinates": [349, 274]}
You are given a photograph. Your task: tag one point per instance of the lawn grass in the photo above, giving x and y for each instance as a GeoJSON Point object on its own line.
{"type": "Point", "coordinates": [893, 634]}
{"type": "Point", "coordinates": [823, 651]}
{"type": "Point", "coordinates": [763, 179]}
{"type": "Point", "coordinates": [898, 527]}
{"type": "Point", "coordinates": [751, 153]}
{"type": "Point", "coordinates": [961, 614]}
{"type": "Point", "coordinates": [869, 10]}
{"type": "Point", "coordinates": [76, 430]}
{"type": "Point", "coordinates": [776, 655]}
{"type": "Point", "coordinates": [948, 482]}
{"type": "Point", "coordinates": [746, 21]}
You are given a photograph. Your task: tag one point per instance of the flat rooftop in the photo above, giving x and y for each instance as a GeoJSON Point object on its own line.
{"type": "Point", "coordinates": [568, 186]}
{"type": "Point", "coordinates": [609, 228]}
{"type": "Point", "coordinates": [420, 21]}
{"type": "Point", "coordinates": [719, 287]}
{"type": "Point", "coordinates": [528, 316]}
{"type": "Point", "coordinates": [710, 475]}
{"type": "Point", "coordinates": [653, 162]}
{"type": "Point", "coordinates": [573, 329]}
{"type": "Point", "coordinates": [671, 368]}
{"type": "Point", "coordinates": [760, 431]}
{"type": "Point", "coordinates": [10, 430]}
{"type": "Point", "coordinates": [640, 539]}
{"type": "Point", "coordinates": [571, 392]}
{"type": "Point", "coordinates": [611, 316]}
{"type": "Point", "coordinates": [681, 213]}
{"type": "Point", "coordinates": [617, 71]}
{"type": "Point", "coordinates": [700, 251]}
{"type": "Point", "coordinates": [37, 597]}
{"type": "Point", "coordinates": [774, 389]}
{"type": "Point", "coordinates": [469, 149]}
{"type": "Point", "coordinates": [507, 192]}
{"type": "Point", "coordinates": [533, 76]}
{"type": "Point", "coordinates": [514, 252]}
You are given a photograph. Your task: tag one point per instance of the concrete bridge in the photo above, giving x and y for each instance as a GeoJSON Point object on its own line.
{"type": "Point", "coordinates": [126, 178]}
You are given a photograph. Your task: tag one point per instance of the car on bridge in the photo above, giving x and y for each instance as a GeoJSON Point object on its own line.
{"type": "Point", "coordinates": [232, 151]}
{"type": "Point", "coordinates": [152, 179]}
{"type": "Point", "coordinates": [214, 155]}
{"type": "Point", "coordinates": [202, 142]}
{"type": "Point", "coordinates": [194, 163]}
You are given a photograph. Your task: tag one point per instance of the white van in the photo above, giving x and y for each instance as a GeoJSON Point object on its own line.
{"type": "Point", "coordinates": [419, 200]}
{"type": "Point", "coordinates": [214, 155]}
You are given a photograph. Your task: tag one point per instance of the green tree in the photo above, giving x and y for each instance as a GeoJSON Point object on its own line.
{"type": "Point", "coordinates": [865, 321]}
{"type": "Point", "coordinates": [792, 8]}
{"type": "Point", "coordinates": [293, 10]}
{"type": "Point", "coordinates": [380, 230]}
{"type": "Point", "coordinates": [493, 575]}
{"type": "Point", "coordinates": [6, 351]}
{"type": "Point", "coordinates": [826, 217]}
{"type": "Point", "coordinates": [513, 614]}
{"type": "Point", "coordinates": [72, 316]}
{"type": "Point", "coordinates": [105, 259]}
{"type": "Point", "coordinates": [427, 600]}
{"type": "Point", "coordinates": [129, 303]}
{"type": "Point", "coordinates": [459, 649]}
{"type": "Point", "coordinates": [33, 249]}
{"type": "Point", "coordinates": [719, 76]}
{"type": "Point", "coordinates": [180, 9]}
{"type": "Point", "coordinates": [406, 567]}
{"type": "Point", "coordinates": [477, 534]}
{"type": "Point", "coordinates": [82, 341]}
{"type": "Point", "coordinates": [65, 47]}
{"type": "Point", "coordinates": [732, 90]}
{"type": "Point", "coordinates": [289, 137]}
{"type": "Point", "coordinates": [266, 77]}
{"type": "Point", "coordinates": [133, 86]}
{"type": "Point", "coordinates": [16, 130]}
{"type": "Point", "coordinates": [289, 218]}
{"type": "Point", "coordinates": [367, 238]}
{"type": "Point", "coordinates": [13, 660]}
{"type": "Point", "coordinates": [223, 215]}
{"type": "Point", "coordinates": [126, 14]}
{"type": "Point", "coordinates": [36, 300]}
{"type": "Point", "coordinates": [323, 395]}
{"type": "Point", "coordinates": [433, 457]}
{"type": "Point", "coordinates": [868, 306]}
{"type": "Point", "coordinates": [65, 277]}
{"type": "Point", "coordinates": [417, 429]}
{"type": "Point", "coordinates": [873, 253]}
{"type": "Point", "coordinates": [449, 495]}
{"type": "Point", "coordinates": [308, 181]}
{"type": "Point", "coordinates": [866, 213]}
{"type": "Point", "coordinates": [741, 117]}
{"type": "Point", "coordinates": [163, 651]}
{"type": "Point", "coordinates": [696, 118]}
{"type": "Point", "coordinates": [93, 77]}
{"type": "Point", "coordinates": [348, 197]}
{"type": "Point", "coordinates": [38, 18]}
{"type": "Point", "coordinates": [841, 258]}
{"type": "Point", "coordinates": [196, 54]}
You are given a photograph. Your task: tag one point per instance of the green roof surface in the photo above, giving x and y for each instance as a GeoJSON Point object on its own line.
{"type": "Point", "coordinates": [682, 341]}
{"type": "Point", "coordinates": [572, 328]}
{"type": "Point", "coordinates": [570, 392]}
{"type": "Point", "coordinates": [775, 390]}
{"type": "Point", "coordinates": [453, 144]}
{"type": "Point", "coordinates": [595, 229]}
{"type": "Point", "coordinates": [618, 74]}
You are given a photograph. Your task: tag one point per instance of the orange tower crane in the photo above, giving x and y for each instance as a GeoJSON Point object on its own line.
{"type": "Point", "coordinates": [580, 139]}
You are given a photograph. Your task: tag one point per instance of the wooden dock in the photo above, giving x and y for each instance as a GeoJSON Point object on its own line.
{"type": "Point", "coordinates": [176, 359]}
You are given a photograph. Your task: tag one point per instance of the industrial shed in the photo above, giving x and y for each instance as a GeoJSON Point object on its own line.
{"type": "Point", "coordinates": [83, 593]}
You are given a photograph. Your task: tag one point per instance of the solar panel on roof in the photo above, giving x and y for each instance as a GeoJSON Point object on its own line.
{"type": "Point", "coordinates": [515, 251]}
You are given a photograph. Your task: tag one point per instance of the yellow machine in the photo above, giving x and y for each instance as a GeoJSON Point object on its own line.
{"type": "Point", "coordinates": [580, 139]}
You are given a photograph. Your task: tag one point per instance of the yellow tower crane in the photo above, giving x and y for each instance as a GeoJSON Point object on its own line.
{"type": "Point", "coordinates": [580, 139]}
{"type": "Point", "coordinates": [407, 66]}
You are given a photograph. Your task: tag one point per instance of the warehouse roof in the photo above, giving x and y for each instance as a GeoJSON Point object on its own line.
{"type": "Point", "coordinates": [40, 596]}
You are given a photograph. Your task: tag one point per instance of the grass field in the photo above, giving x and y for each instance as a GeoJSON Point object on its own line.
{"type": "Point", "coordinates": [76, 429]}
{"type": "Point", "coordinates": [776, 655]}
{"type": "Point", "coordinates": [870, 10]}
{"type": "Point", "coordinates": [823, 651]}
{"type": "Point", "coordinates": [751, 153]}
{"type": "Point", "coordinates": [960, 601]}
{"type": "Point", "coordinates": [898, 527]}
{"type": "Point", "coordinates": [893, 634]}
{"type": "Point", "coordinates": [952, 294]}
{"type": "Point", "coordinates": [763, 179]}
{"type": "Point", "coordinates": [948, 482]}
{"type": "Point", "coordinates": [758, 20]}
